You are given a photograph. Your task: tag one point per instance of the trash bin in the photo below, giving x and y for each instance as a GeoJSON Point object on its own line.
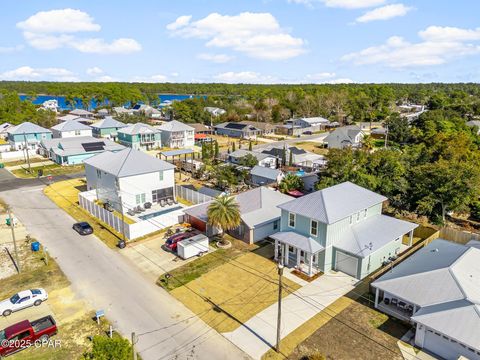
{"type": "Point", "coordinates": [8, 221]}
{"type": "Point", "coordinates": [35, 246]}
{"type": "Point", "coordinates": [2, 165]}
{"type": "Point", "coordinates": [40, 172]}
{"type": "Point", "coordinates": [121, 244]}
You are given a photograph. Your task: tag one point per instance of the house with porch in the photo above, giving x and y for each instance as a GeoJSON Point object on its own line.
{"type": "Point", "coordinates": [71, 128]}
{"type": "Point", "coordinates": [107, 128]}
{"type": "Point", "coordinates": [176, 134]}
{"type": "Point", "coordinates": [130, 178]}
{"type": "Point", "coordinates": [237, 130]}
{"type": "Point", "coordinates": [140, 136]}
{"type": "Point", "coordinates": [27, 135]}
{"type": "Point", "coordinates": [346, 136]}
{"type": "Point", "coordinates": [339, 228]}
{"type": "Point", "coordinates": [265, 160]}
{"type": "Point", "coordinates": [259, 214]}
{"type": "Point", "coordinates": [437, 289]}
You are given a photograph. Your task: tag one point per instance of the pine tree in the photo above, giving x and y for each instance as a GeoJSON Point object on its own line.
{"type": "Point", "coordinates": [290, 159]}
{"type": "Point", "coordinates": [233, 146]}
{"type": "Point", "coordinates": [250, 145]}
{"type": "Point", "coordinates": [216, 150]}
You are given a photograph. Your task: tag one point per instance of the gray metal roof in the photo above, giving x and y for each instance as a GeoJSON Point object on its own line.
{"type": "Point", "coordinates": [80, 112]}
{"type": "Point", "coordinates": [177, 152]}
{"type": "Point", "coordinates": [175, 125]}
{"type": "Point", "coordinates": [344, 133]}
{"type": "Point", "coordinates": [27, 128]}
{"type": "Point", "coordinates": [69, 117]}
{"type": "Point", "coordinates": [372, 233]}
{"type": "Point", "coordinates": [237, 154]}
{"type": "Point", "coordinates": [71, 125]}
{"type": "Point", "coordinates": [108, 123]}
{"type": "Point", "coordinates": [441, 272]}
{"type": "Point", "coordinates": [265, 172]}
{"type": "Point", "coordinates": [334, 203]}
{"type": "Point", "coordinates": [128, 162]}
{"type": "Point", "coordinates": [74, 145]}
{"type": "Point", "coordinates": [139, 128]}
{"type": "Point", "coordinates": [316, 120]}
{"type": "Point", "coordinates": [257, 206]}
{"type": "Point", "coordinates": [299, 241]}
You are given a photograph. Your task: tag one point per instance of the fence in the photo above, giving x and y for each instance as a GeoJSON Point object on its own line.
{"type": "Point", "coordinates": [17, 154]}
{"type": "Point", "coordinates": [191, 195]}
{"type": "Point", "coordinates": [458, 236]}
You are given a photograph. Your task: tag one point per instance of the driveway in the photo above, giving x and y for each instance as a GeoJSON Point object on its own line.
{"type": "Point", "coordinates": [106, 280]}
{"type": "Point", "coordinates": [311, 138]}
{"type": "Point", "coordinates": [258, 334]}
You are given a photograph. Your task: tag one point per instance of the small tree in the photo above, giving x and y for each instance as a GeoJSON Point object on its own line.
{"type": "Point", "coordinates": [224, 213]}
{"type": "Point", "coordinates": [290, 182]}
{"type": "Point", "coordinates": [290, 159]}
{"type": "Point", "coordinates": [284, 156]}
{"type": "Point", "coordinates": [248, 160]}
{"type": "Point", "coordinates": [105, 348]}
{"type": "Point", "coordinates": [239, 144]}
{"type": "Point", "coordinates": [250, 147]}
{"type": "Point", "coordinates": [233, 146]}
{"type": "Point", "coordinates": [216, 150]}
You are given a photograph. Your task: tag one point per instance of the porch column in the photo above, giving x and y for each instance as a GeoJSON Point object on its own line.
{"type": "Point", "coordinates": [410, 238]}
{"type": "Point", "coordinates": [310, 265]}
{"type": "Point", "coordinates": [285, 255]}
{"type": "Point", "coordinates": [276, 250]}
{"type": "Point", "coordinates": [298, 258]}
{"type": "Point", "coordinates": [376, 297]}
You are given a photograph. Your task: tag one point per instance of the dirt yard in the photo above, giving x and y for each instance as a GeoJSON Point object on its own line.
{"type": "Point", "coordinates": [358, 332]}
{"type": "Point", "coordinates": [311, 146]}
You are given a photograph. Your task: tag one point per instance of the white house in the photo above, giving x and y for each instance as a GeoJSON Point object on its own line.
{"type": "Point", "coordinates": [215, 111]}
{"type": "Point", "coordinates": [130, 177]}
{"type": "Point", "coordinates": [265, 160]}
{"type": "Point", "coordinates": [71, 128]}
{"type": "Point", "coordinates": [4, 130]}
{"type": "Point", "coordinates": [176, 134]}
{"type": "Point", "coordinates": [343, 137]}
{"type": "Point", "coordinates": [438, 290]}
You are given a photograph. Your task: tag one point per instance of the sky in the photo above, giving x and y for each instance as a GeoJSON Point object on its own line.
{"type": "Point", "coordinates": [242, 41]}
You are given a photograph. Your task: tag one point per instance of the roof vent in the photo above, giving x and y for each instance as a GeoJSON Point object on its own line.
{"type": "Point", "coordinates": [434, 250]}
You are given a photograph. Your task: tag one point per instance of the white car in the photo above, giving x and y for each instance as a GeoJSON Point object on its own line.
{"type": "Point", "coordinates": [22, 300]}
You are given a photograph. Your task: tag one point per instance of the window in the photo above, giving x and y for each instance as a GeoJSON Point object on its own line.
{"type": "Point", "coordinates": [313, 228]}
{"type": "Point", "coordinates": [275, 225]}
{"type": "Point", "coordinates": [140, 199]}
{"type": "Point", "coordinates": [77, 133]}
{"type": "Point", "coordinates": [160, 175]}
{"type": "Point", "coordinates": [291, 220]}
{"type": "Point", "coordinates": [22, 300]}
{"type": "Point", "coordinates": [99, 174]}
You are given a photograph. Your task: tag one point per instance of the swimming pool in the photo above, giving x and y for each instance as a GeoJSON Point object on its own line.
{"type": "Point", "coordinates": [158, 213]}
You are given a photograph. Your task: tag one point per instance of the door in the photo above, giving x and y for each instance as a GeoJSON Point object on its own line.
{"type": "Point", "coordinates": [447, 349]}
{"type": "Point", "coordinates": [23, 303]}
{"type": "Point", "coordinates": [346, 263]}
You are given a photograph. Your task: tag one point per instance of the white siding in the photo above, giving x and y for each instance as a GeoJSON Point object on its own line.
{"type": "Point", "coordinates": [70, 134]}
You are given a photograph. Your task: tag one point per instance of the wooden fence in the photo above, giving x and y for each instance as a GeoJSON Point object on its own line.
{"type": "Point", "coordinates": [458, 236]}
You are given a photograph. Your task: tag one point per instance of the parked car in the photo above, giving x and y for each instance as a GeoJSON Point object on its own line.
{"type": "Point", "coordinates": [22, 300]}
{"type": "Point", "coordinates": [172, 241]}
{"type": "Point", "coordinates": [25, 334]}
{"type": "Point", "coordinates": [83, 228]}
{"type": "Point", "coordinates": [308, 132]}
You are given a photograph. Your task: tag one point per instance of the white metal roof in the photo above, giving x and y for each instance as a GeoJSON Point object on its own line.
{"type": "Point", "coordinates": [27, 128]}
{"type": "Point", "coordinates": [71, 125]}
{"type": "Point", "coordinates": [299, 241]}
{"type": "Point", "coordinates": [139, 128]}
{"type": "Point", "coordinates": [108, 122]}
{"type": "Point", "coordinates": [175, 125]}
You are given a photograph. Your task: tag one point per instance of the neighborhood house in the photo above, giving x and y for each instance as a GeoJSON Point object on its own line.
{"type": "Point", "coordinates": [140, 136]}
{"type": "Point", "coordinates": [27, 135]}
{"type": "Point", "coordinates": [71, 128]}
{"type": "Point", "coordinates": [438, 290]}
{"type": "Point", "coordinates": [264, 160]}
{"type": "Point", "coordinates": [130, 178]}
{"type": "Point", "coordinates": [176, 134]}
{"type": "Point", "coordinates": [340, 228]}
{"type": "Point", "coordinates": [342, 137]}
{"type": "Point", "coordinates": [238, 130]}
{"type": "Point", "coordinates": [107, 128]}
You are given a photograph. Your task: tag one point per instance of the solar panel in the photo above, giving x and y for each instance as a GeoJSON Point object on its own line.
{"type": "Point", "coordinates": [94, 146]}
{"type": "Point", "coordinates": [235, 126]}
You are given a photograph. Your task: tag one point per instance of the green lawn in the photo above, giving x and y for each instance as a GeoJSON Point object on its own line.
{"type": "Point", "coordinates": [23, 162]}
{"type": "Point", "coordinates": [48, 170]}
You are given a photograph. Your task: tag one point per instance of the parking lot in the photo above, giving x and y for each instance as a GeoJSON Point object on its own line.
{"type": "Point", "coordinates": [150, 257]}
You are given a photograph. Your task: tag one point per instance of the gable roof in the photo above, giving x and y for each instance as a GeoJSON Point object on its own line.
{"type": "Point", "coordinates": [315, 120]}
{"type": "Point", "coordinates": [237, 154]}
{"type": "Point", "coordinates": [69, 117]}
{"type": "Point", "coordinates": [128, 162]}
{"type": "Point", "coordinates": [344, 134]}
{"type": "Point", "coordinates": [265, 172]}
{"type": "Point", "coordinates": [27, 128]}
{"type": "Point", "coordinates": [139, 128]}
{"type": "Point", "coordinates": [334, 203]}
{"type": "Point", "coordinates": [108, 122]}
{"type": "Point", "coordinates": [71, 125]}
{"type": "Point", "coordinates": [257, 206]}
{"type": "Point", "coordinates": [80, 112]}
{"type": "Point", "coordinates": [80, 145]}
{"type": "Point", "coordinates": [174, 125]}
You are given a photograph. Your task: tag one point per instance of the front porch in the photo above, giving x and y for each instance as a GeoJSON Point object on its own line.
{"type": "Point", "coordinates": [394, 306]}
{"type": "Point", "coordinates": [298, 251]}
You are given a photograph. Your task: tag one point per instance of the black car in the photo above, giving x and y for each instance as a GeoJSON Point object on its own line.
{"type": "Point", "coordinates": [83, 228]}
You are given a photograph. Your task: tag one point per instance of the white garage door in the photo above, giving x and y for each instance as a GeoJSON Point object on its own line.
{"type": "Point", "coordinates": [445, 348]}
{"type": "Point", "coordinates": [346, 263]}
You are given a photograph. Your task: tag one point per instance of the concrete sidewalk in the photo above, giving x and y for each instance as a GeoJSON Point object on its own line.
{"type": "Point", "coordinates": [258, 334]}
{"type": "Point", "coordinates": [35, 164]}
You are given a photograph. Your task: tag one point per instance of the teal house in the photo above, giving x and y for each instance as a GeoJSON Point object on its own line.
{"type": "Point", "coordinates": [107, 128]}
{"type": "Point", "coordinates": [140, 136]}
{"type": "Point", "coordinates": [27, 135]}
{"type": "Point", "coordinates": [339, 228]}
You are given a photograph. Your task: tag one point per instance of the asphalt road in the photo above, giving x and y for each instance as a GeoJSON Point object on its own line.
{"type": "Point", "coordinates": [107, 281]}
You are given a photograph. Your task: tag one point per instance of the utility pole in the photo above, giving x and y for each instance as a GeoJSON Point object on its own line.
{"type": "Point", "coordinates": [10, 217]}
{"type": "Point", "coordinates": [123, 219]}
{"type": "Point", "coordinates": [26, 152]}
{"type": "Point", "coordinates": [386, 135]}
{"type": "Point", "coordinates": [134, 353]}
{"type": "Point", "coordinates": [280, 285]}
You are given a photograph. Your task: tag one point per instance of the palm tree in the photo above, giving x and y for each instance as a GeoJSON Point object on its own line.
{"type": "Point", "coordinates": [290, 182]}
{"type": "Point", "coordinates": [224, 213]}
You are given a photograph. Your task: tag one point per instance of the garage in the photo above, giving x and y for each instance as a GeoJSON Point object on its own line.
{"type": "Point", "coordinates": [438, 344]}
{"type": "Point", "coordinates": [346, 263]}
{"type": "Point", "coordinates": [196, 223]}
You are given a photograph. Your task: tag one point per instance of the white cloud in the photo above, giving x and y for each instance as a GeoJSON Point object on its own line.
{"type": "Point", "coordinates": [321, 76]}
{"type": "Point", "coordinates": [29, 73]}
{"type": "Point", "coordinates": [440, 45]}
{"type": "Point", "coordinates": [258, 35]}
{"type": "Point", "coordinates": [54, 29]}
{"type": "Point", "coordinates": [325, 78]}
{"type": "Point", "coordinates": [59, 21]}
{"type": "Point", "coordinates": [180, 22]}
{"type": "Point", "coordinates": [345, 4]}
{"type": "Point", "coordinates": [105, 78]}
{"type": "Point", "coordinates": [94, 71]}
{"type": "Point", "coordinates": [10, 49]}
{"type": "Point", "coordinates": [247, 77]}
{"type": "Point", "coordinates": [384, 13]}
{"type": "Point", "coordinates": [150, 79]}
{"type": "Point", "coordinates": [340, 81]}
{"type": "Point", "coordinates": [216, 58]}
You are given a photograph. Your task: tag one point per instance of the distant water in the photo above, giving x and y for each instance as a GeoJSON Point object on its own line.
{"type": "Point", "coordinates": [40, 99]}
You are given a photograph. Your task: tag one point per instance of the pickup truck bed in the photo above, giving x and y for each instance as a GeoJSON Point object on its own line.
{"type": "Point", "coordinates": [42, 324]}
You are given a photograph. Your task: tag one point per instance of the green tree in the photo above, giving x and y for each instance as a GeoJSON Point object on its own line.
{"type": "Point", "coordinates": [248, 160]}
{"type": "Point", "coordinates": [224, 213]}
{"type": "Point", "coordinates": [217, 151]}
{"type": "Point", "coordinates": [233, 146]}
{"type": "Point", "coordinates": [290, 159]}
{"type": "Point", "coordinates": [290, 182]}
{"type": "Point", "coordinates": [105, 348]}
{"type": "Point", "coordinates": [399, 131]}
{"type": "Point", "coordinates": [250, 145]}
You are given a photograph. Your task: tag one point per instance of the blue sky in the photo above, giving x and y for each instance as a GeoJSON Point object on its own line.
{"type": "Point", "coordinates": [269, 41]}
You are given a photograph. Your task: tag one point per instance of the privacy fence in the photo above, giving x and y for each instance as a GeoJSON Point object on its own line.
{"type": "Point", "coordinates": [191, 195]}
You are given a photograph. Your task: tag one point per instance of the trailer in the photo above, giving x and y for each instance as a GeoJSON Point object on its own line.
{"type": "Point", "coordinates": [191, 165]}
{"type": "Point", "coordinates": [195, 246]}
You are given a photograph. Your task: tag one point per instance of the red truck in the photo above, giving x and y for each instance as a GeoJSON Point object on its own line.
{"type": "Point", "coordinates": [25, 334]}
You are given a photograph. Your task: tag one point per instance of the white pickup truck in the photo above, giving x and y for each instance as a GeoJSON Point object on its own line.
{"type": "Point", "coordinates": [22, 300]}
